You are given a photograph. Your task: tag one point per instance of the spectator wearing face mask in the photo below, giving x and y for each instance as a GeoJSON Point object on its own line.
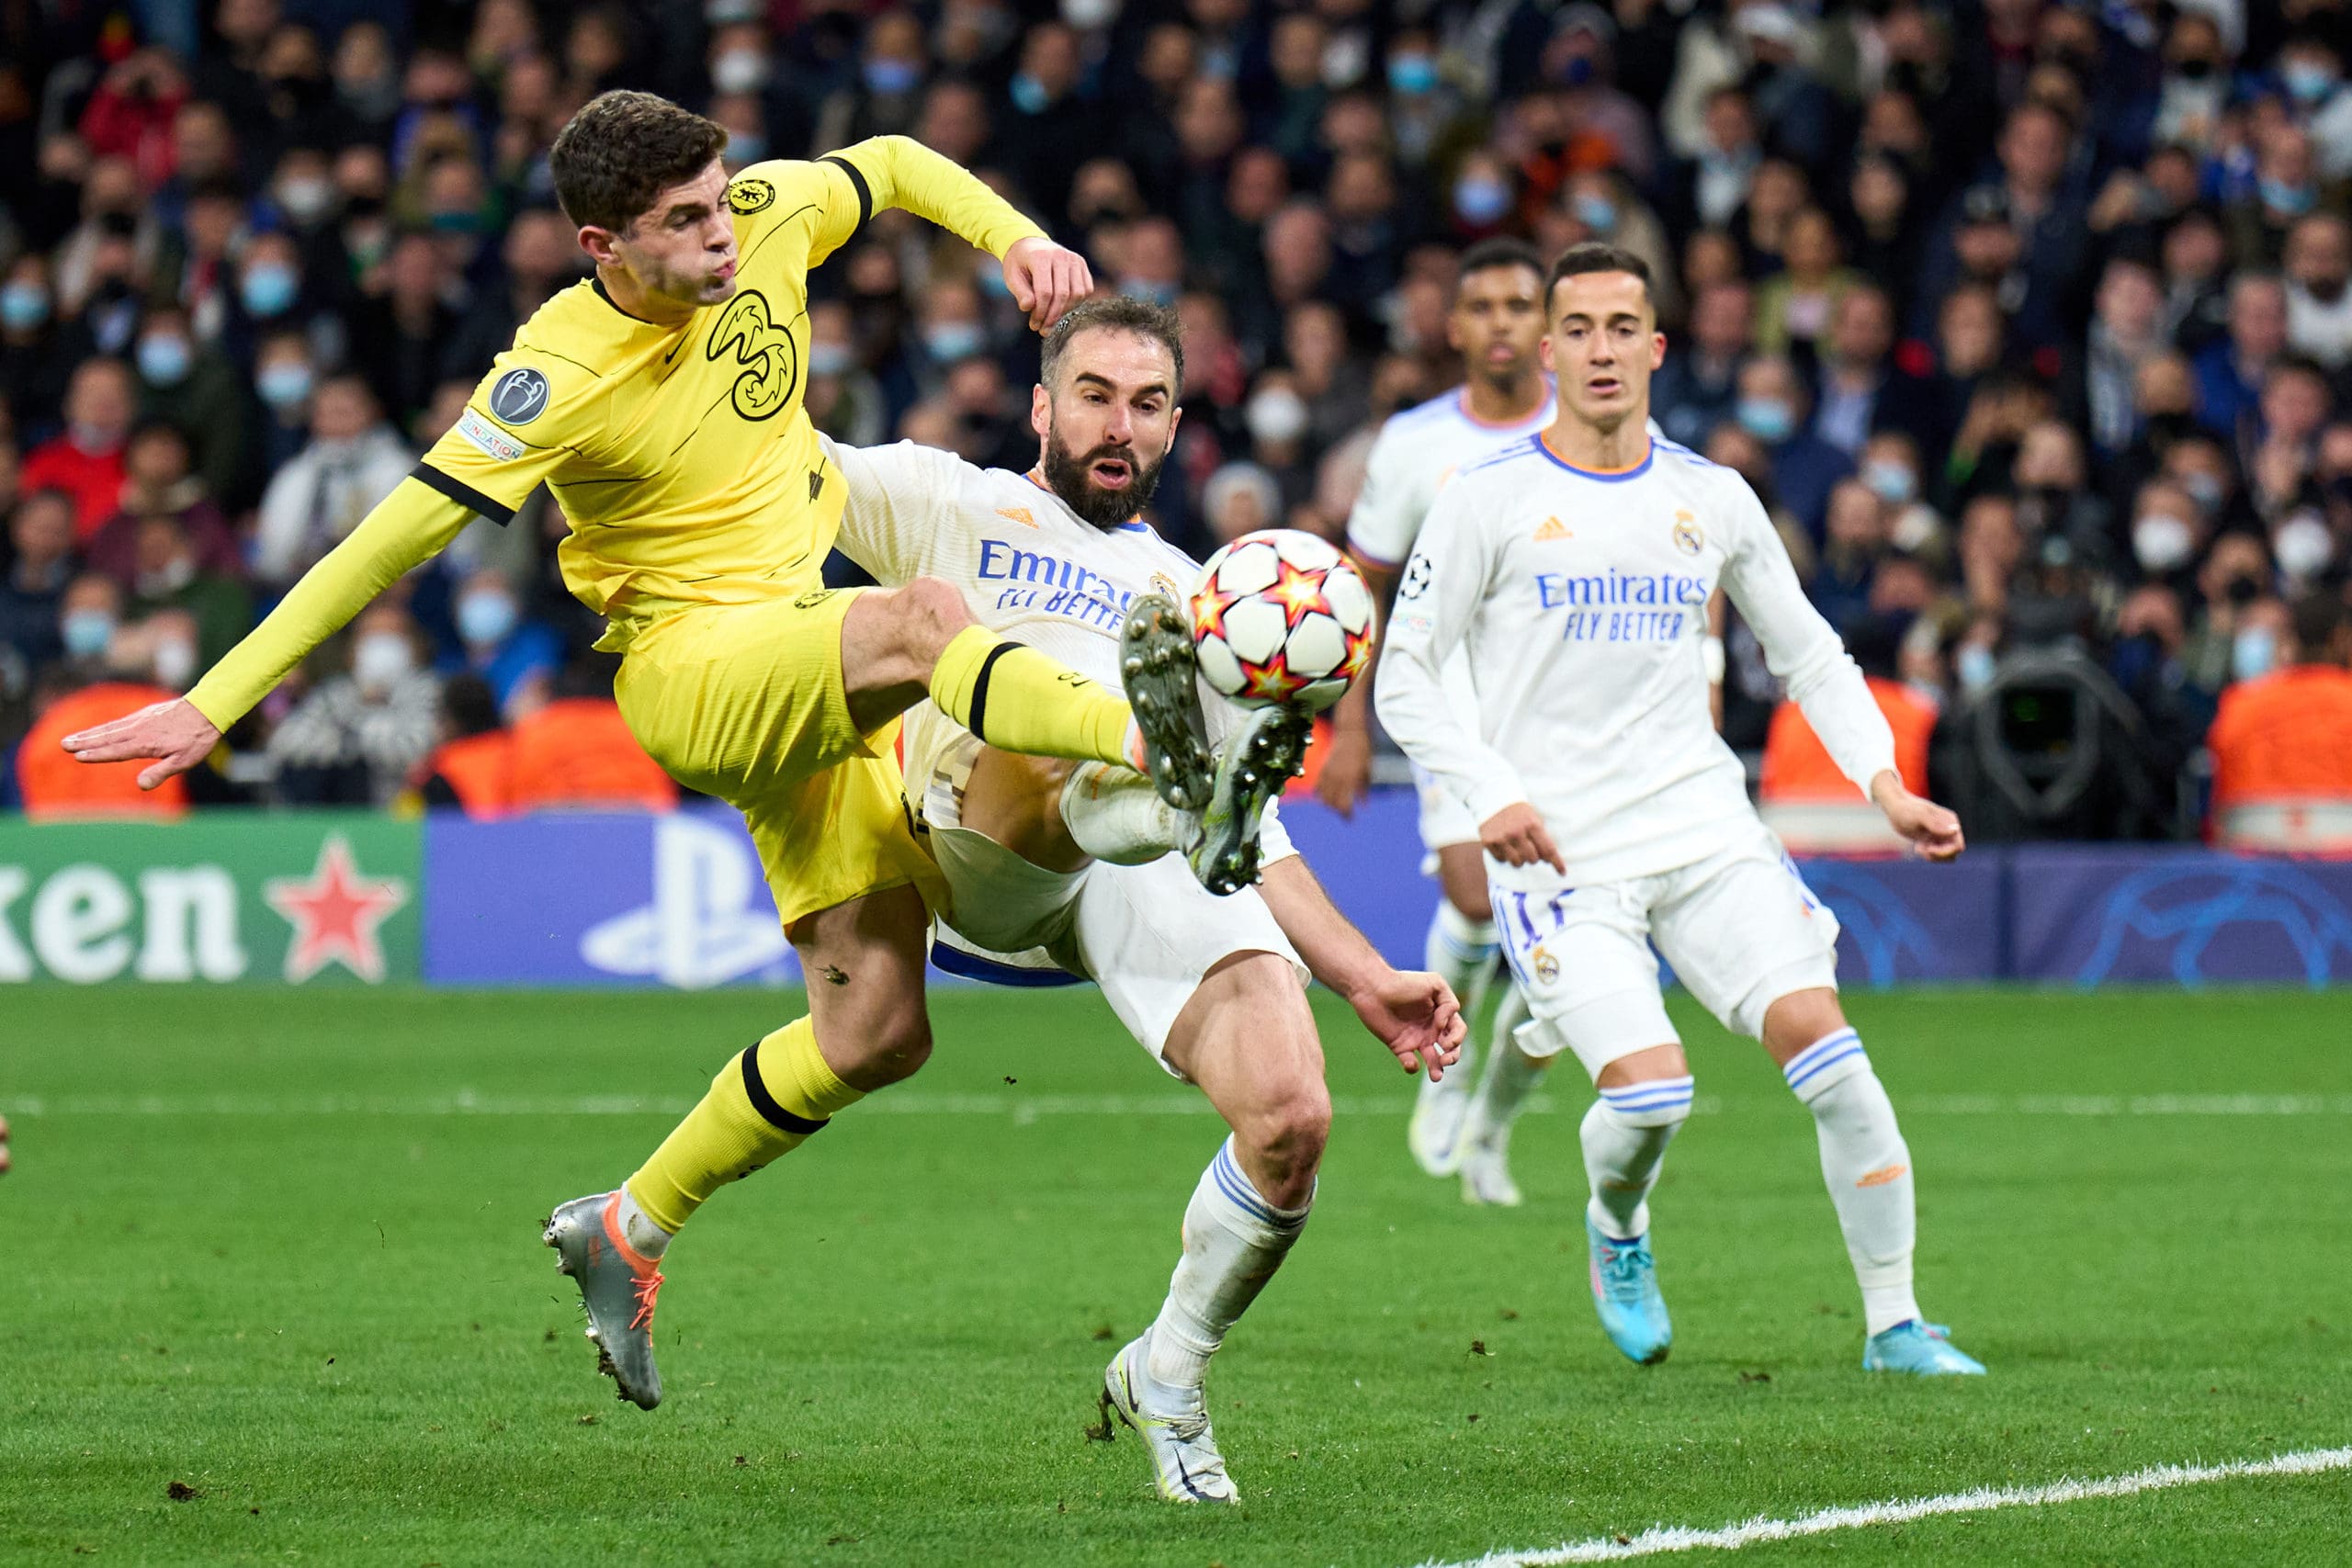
{"type": "Point", "coordinates": [2235, 633]}
{"type": "Point", "coordinates": [167, 573]}
{"type": "Point", "coordinates": [2166, 531]}
{"type": "Point", "coordinates": [195, 387]}
{"type": "Point", "coordinates": [35, 360]}
{"type": "Point", "coordinates": [2282, 742]}
{"type": "Point", "coordinates": [2312, 71]}
{"type": "Point", "coordinates": [517, 657]}
{"type": "Point", "coordinates": [283, 381]}
{"type": "Point", "coordinates": [32, 591]}
{"type": "Point", "coordinates": [355, 740]}
{"type": "Point", "coordinates": [2319, 289]}
{"type": "Point", "coordinates": [353, 461]}
{"type": "Point", "coordinates": [86, 460]}
{"type": "Point", "coordinates": [1773, 408]}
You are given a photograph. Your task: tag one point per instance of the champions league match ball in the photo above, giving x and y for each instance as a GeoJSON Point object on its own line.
{"type": "Point", "coordinates": [1280, 617]}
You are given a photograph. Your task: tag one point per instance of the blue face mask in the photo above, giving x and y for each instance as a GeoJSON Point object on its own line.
{"type": "Point", "coordinates": [892, 76]}
{"type": "Point", "coordinates": [87, 632]}
{"type": "Point", "coordinates": [2293, 201]}
{"type": "Point", "coordinates": [2252, 652]}
{"type": "Point", "coordinates": [747, 147]}
{"type": "Point", "coordinates": [23, 306]}
{"type": "Point", "coordinates": [1596, 212]}
{"type": "Point", "coordinates": [268, 289]}
{"type": "Point", "coordinates": [1891, 482]}
{"type": "Point", "coordinates": [1029, 94]}
{"type": "Point", "coordinates": [283, 387]}
{"type": "Point", "coordinates": [1769, 420]}
{"type": "Point", "coordinates": [829, 359]}
{"type": "Point", "coordinates": [951, 341]}
{"type": "Point", "coordinates": [1975, 666]}
{"type": "Point", "coordinates": [1412, 75]}
{"type": "Point", "coordinates": [1478, 201]}
{"type": "Point", "coordinates": [165, 361]}
{"type": "Point", "coordinates": [485, 620]}
{"type": "Point", "coordinates": [2308, 83]}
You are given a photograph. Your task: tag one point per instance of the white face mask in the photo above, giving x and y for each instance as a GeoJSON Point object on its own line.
{"type": "Point", "coordinates": [2161, 541]}
{"type": "Point", "coordinates": [2304, 545]}
{"type": "Point", "coordinates": [1277, 417]}
{"type": "Point", "coordinates": [174, 663]}
{"type": "Point", "coordinates": [740, 70]}
{"type": "Point", "coordinates": [379, 660]}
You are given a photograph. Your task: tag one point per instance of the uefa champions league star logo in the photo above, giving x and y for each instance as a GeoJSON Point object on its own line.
{"type": "Point", "coordinates": [710, 921]}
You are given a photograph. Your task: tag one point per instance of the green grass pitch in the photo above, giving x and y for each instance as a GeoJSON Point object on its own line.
{"type": "Point", "coordinates": [282, 1248]}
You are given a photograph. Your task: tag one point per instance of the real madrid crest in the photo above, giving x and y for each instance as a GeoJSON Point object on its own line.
{"type": "Point", "coordinates": [1688, 538]}
{"type": "Point", "coordinates": [1547, 968]}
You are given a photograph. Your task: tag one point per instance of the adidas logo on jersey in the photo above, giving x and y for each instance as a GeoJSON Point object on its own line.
{"type": "Point", "coordinates": [1551, 528]}
{"type": "Point", "coordinates": [1020, 514]}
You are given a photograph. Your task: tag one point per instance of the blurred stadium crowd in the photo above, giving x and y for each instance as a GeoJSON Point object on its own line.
{"type": "Point", "coordinates": [2030, 321]}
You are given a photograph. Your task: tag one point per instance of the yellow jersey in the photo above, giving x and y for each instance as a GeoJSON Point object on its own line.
{"type": "Point", "coordinates": [680, 455]}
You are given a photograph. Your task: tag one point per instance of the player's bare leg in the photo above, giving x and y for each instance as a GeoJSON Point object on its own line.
{"type": "Point", "coordinates": [1248, 1039]}
{"type": "Point", "coordinates": [866, 1028]}
{"type": "Point", "coordinates": [899, 646]}
{"type": "Point", "coordinates": [4, 1145]}
{"type": "Point", "coordinates": [1868, 1168]}
{"type": "Point", "coordinates": [1459, 948]}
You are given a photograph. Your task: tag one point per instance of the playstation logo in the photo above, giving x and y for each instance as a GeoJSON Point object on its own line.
{"type": "Point", "coordinates": [710, 921]}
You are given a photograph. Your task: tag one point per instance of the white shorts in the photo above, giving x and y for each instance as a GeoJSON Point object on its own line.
{"type": "Point", "coordinates": [1740, 929]}
{"type": "Point", "coordinates": [1445, 821]}
{"type": "Point", "coordinates": [1146, 934]}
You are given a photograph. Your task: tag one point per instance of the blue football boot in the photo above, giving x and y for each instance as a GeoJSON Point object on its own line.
{"type": "Point", "coordinates": [1923, 1350]}
{"type": "Point", "coordinates": [1625, 1293]}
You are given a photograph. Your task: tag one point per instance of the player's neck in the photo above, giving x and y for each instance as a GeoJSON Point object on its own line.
{"type": "Point", "coordinates": [632, 298]}
{"type": "Point", "coordinates": [1583, 444]}
{"type": "Point", "coordinates": [1513, 402]}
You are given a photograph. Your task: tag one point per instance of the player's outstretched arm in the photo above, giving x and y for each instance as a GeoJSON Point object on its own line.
{"type": "Point", "coordinates": [898, 171]}
{"type": "Point", "coordinates": [1414, 1015]}
{"type": "Point", "coordinates": [1933, 830]}
{"type": "Point", "coordinates": [412, 523]}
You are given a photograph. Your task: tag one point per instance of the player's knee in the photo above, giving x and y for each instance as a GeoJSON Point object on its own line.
{"type": "Point", "coordinates": [1289, 1135]}
{"type": "Point", "coordinates": [929, 612]}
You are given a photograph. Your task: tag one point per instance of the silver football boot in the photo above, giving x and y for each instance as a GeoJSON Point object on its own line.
{"type": "Point", "coordinates": [1184, 1459]}
{"type": "Point", "coordinates": [1157, 667]}
{"type": "Point", "coordinates": [617, 1284]}
{"type": "Point", "coordinates": [1264, 752]}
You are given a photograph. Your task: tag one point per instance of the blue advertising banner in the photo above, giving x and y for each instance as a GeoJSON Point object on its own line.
{"type": "Point", "coordinates": [2090, 916]}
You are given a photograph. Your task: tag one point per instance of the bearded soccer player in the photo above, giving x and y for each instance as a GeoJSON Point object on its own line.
{"type": "Point", "coordinates": [1056, 872]}
{"type": "Point", "coordinates": [1575, 567]}
{"type": "Point", "coordinates": [661, 403]}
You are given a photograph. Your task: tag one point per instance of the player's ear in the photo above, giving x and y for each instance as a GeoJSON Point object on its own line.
{"type": "Point", "coordinates": [1041, 411]}
{"type": "Point", "coordinates": [1543, 352]}
{"type": "Point", "coordinates": [1658, 349]}
{"type": "Point", "coordinates": [600, 245]}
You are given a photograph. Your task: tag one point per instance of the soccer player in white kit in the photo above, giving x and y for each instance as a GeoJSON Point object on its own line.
{"type": "Point", "coordinates": [1496, 323]}
{"type": "Point", "coordinates": [1056, 872]}
{"type": "Point", "coordinates": [1575, 568]}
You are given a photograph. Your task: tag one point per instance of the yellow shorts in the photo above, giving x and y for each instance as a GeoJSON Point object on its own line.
{"type": "Point", "coordinates": [746, 702]}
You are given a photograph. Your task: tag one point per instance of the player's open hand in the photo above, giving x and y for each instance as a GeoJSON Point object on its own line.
{"type": "Point", "coordinates": [1046, 279]}
{"type": "Point", "coordinates": [174, 733]}
{"type": "Point", "coordinates": [1516, 836]}
{"type": "Point", "coordinates": [1416, 1016]}
{"type": "Point", "coordinates": [1347, 771]}
{"type": "Point", "coordinates": [1933, 830]}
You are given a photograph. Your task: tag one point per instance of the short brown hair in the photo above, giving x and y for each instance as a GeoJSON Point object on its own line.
{"type": "Point", "coordinates": [623, 150]}
{"type": "Point", "coordinates": [1594, 256]}
{"type": "Point", "coordinates": [1116, 312]}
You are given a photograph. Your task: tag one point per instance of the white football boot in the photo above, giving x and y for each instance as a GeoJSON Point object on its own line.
{"type": "Point", "coordinates": [1441, 1107]}
{"type": "Point", "coordinates": [1184, 1459]}
{"type": "Point", "coordinates": [1485, 1167]}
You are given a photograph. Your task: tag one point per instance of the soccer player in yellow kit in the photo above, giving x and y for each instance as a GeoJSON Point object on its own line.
{"type": "Point", "coordinates": [661, 403]}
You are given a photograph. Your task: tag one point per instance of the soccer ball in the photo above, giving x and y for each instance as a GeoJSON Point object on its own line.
{"type": "Point", "coordinates": [1280, 617]}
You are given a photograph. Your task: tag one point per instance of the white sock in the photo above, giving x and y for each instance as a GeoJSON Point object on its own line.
{"type": "Point", "coordinates": [1116, 816]}
{"type": "Point", "coordinates": [1234, 1240]}
{"type": "Point", "coordinates": [638, 1227]}
{"type": "Point", "coordinates": [1866, 1167]}
{"type": "Point", "coordinates": [1460, 951]}
{"type": "Point", "coordinates": [1625, 1137]}
{"type": "Point", "coordinates": [1510, 1076]}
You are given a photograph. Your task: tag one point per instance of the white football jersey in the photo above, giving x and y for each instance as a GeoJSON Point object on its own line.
{"type": "Point", "coordinates": [1417, 451]}
{"type": "Point", "coordinates": [1027, 565]}
{"type": "Point", "coordinates": [1582, 599]}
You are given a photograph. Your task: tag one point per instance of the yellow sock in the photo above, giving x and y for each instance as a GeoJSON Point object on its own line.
{"type": "Point", "coordinates": [1016, 699]}
{"type": "Point", "coordinates": [762, 1104]}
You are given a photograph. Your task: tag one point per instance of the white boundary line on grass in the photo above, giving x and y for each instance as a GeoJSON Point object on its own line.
{"type": "Point", "coordinates": [1659, 1540]}
{"type": "Point", "coordinates": [1023, 1108]}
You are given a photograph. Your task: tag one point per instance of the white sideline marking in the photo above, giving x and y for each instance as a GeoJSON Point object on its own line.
{"type": "Point", "coordinates": [1661, 1538]}
{"type": "Point", "coordinates": [1022, 1110]}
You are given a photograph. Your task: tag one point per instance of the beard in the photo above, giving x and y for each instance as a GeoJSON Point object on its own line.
{"type": "Point", "coordinates": [1068, 476]}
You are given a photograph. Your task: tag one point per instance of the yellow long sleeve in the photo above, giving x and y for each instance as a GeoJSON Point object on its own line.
{"type": "Point", "coordinates": [902, 172]}
{"type": "Point", "coordinates": [412, 523]}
